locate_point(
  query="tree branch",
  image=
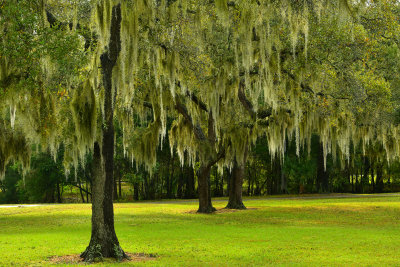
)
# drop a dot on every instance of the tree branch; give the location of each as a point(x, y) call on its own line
point(197, 130)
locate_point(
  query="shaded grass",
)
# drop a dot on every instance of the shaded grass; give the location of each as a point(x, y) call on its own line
point(299, 232)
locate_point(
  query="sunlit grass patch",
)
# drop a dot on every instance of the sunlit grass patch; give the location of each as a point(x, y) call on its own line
point(343, 231)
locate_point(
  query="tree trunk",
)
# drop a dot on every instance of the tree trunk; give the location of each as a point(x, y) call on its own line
point(372, 177)
point(170, 179)
point(104, 241)
point(120, 186)
point(235, 188)
point(284, 188)
point(322, 175)
point(87, 192)
point(365, 177)
point(203, 175)
point(190, 187)
point(248, 179)
point(58, 192)
point(80, 190)
point(179, 191)
point(216, 183)
point(115, 192)
point(136, 191)
point(236, 183)
point(379, 178)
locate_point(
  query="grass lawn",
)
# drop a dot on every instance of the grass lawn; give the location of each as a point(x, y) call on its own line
point(343, 231)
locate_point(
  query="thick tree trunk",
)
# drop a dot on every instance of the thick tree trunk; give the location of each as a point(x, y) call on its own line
point(236, 183)
point(203, 175)
point(115, 193)
point(235, 188)
point(104, 241)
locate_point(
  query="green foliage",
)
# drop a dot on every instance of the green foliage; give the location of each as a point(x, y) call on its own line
point(12, 188)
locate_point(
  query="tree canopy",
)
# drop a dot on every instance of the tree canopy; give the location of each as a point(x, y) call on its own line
point(226, 72)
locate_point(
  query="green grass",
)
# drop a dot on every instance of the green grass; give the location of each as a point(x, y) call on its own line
point(329, 232)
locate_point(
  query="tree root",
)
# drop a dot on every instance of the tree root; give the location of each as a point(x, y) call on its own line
point(236, 206)
point(208, 210)
point(95, 253)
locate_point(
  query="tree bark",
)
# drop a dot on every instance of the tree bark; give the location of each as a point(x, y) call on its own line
point(104, 242)
point(235, 188)
point(236, 183)
point(203, 175)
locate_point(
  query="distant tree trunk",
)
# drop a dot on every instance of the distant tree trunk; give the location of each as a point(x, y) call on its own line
point(284, 189)
point(228, 181)
point(379, 178)
point(372, 177)
point(190, 183)
point(248, 180)
point(170, 179)
point(87, 192)
point(352, 182)
point(136, 191)
point(145, 187)
point(120, 186)
point(58, 192)
point(180, 191)
point(356, 181)
point(104, 241)
point(365, 178)
point(322, 174)
point(221, 186)
point(253, 179)
point(236, 183)
point(216, 182)
point(80, 190)
point(276, 182)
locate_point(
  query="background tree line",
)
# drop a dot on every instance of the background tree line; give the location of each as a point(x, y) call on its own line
point(264, 175)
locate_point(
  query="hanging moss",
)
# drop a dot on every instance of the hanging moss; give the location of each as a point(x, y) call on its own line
point(84, 115)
